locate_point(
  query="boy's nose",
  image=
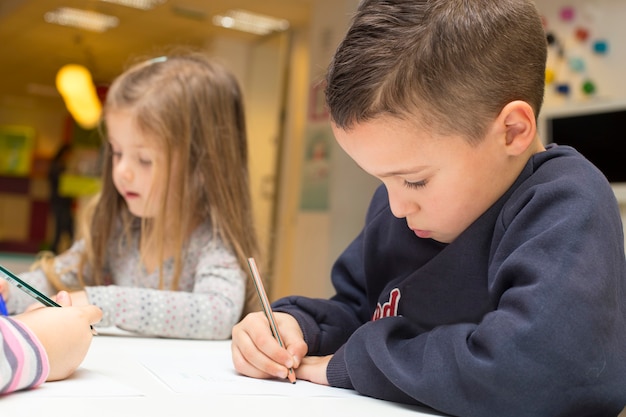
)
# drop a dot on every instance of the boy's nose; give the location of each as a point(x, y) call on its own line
point(400, 206)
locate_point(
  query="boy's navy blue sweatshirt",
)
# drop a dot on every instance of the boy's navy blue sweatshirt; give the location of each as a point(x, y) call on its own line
point(524, 314)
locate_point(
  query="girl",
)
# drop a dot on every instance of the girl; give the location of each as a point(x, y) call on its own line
point(168, 236)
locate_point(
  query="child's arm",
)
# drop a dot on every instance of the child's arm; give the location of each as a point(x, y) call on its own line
point(17, 341)
point(207, 305)
point(328, 323)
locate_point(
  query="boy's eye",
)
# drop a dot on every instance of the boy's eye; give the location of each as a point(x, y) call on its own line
point(414, 185)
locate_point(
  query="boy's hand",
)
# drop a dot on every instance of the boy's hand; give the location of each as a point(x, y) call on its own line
point(255, 351)
point(313, 368)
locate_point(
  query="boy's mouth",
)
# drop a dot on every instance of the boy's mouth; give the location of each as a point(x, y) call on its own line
point(424, 234)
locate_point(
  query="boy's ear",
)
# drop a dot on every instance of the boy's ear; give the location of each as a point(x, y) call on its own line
point(517, 119)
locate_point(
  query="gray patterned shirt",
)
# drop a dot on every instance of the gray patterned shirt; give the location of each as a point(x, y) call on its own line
point(208, 303)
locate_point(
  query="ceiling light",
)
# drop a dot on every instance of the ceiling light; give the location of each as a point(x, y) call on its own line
point(83, 19)
point(250, 22)
point(75, 84)
point(137, 4)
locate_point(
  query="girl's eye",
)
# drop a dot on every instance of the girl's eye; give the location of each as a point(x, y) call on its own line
point(145, 162)
point(415, 185)
point(116, 155)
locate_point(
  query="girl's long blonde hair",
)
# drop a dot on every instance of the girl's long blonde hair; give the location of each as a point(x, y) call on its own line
point(194, 107)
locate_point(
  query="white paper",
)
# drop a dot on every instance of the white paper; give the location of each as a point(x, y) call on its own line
point(83, 383)
point(213, 373)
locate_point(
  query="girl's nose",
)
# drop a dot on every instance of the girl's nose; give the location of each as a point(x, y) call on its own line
point(124, 171)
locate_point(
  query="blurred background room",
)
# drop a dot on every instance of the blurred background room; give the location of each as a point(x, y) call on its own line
point(309, 198)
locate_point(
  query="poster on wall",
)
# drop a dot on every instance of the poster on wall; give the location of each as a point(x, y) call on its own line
point(16, 150)
point(316, 169)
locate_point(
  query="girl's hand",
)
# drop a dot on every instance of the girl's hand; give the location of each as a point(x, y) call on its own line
point(255, 351)
point(64, 332)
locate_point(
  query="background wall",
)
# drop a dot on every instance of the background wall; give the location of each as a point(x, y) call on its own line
point(23, 202)
point(261, 68)
point(319, 216)
point(603, 20)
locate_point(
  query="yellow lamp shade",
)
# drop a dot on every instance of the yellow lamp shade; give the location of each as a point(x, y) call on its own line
point(75, 84)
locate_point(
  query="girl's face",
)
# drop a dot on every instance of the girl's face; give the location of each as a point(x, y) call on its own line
point(135, 161)
point(440, 185)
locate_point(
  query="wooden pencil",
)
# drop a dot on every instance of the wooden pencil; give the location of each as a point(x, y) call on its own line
point(267, 309)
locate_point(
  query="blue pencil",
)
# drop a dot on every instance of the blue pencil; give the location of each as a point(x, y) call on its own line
point(3, 307)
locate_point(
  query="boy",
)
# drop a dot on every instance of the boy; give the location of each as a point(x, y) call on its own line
point(506, 293)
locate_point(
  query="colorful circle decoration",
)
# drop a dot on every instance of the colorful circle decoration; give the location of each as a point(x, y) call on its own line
point(569, 63)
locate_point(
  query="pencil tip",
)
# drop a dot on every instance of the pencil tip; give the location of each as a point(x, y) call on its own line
point(291, 375)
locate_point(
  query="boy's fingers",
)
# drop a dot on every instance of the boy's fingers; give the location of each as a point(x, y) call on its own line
point(293, 338)
point(249, 359)
point(256, 352)
point(246, 368)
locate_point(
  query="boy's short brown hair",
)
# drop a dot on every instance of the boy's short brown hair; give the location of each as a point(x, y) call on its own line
point(449, 65)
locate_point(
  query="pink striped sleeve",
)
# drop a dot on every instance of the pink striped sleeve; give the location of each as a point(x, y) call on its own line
point(23, 360)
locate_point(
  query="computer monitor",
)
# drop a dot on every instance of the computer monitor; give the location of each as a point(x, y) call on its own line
point(596, 130)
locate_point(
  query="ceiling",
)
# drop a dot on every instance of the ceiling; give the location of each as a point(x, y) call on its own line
point(32, 50)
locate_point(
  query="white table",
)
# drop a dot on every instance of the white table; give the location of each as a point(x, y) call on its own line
point(149, 377)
